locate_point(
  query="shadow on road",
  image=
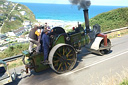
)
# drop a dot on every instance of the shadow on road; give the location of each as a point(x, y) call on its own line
point(15, 82)
point(33, 76)
point(84, 53)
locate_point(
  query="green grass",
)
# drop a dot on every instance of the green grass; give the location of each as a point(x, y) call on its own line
point(114, 35)
point(25, 33)
point(10, 26)
point(29, 16)
point(2, 1)
point(15, 64)
point(13, 50)
point(111, 20)
point(13, 25)
point(125, 82)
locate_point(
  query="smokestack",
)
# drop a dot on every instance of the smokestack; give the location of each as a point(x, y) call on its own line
point(86, 17)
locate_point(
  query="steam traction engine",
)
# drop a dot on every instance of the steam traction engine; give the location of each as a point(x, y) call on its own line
point(64, 47)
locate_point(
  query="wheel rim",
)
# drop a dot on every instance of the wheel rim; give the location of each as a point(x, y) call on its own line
point(105, 51)
point(63, 59)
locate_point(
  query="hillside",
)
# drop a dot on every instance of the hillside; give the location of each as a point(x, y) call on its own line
point(111, 20)
point(13, 15)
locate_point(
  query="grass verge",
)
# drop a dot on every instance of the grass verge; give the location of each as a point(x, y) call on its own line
point(125, 82)
point(15, 63)
point(114, 34)
point(117, 79)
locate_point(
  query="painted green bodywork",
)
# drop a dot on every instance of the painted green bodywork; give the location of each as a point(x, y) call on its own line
point(58, 40)
point(36, 59)
point(87, 39)
point(77, 40)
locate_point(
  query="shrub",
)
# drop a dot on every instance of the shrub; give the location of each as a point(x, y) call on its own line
point(14, 50)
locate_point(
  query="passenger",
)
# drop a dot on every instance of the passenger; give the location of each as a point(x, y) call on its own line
point(46, 26)
point(33, 38)
point(41, 41)
point(46, 45)
point(39, 33)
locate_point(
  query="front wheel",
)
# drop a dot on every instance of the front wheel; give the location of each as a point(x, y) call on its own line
point(108, 48)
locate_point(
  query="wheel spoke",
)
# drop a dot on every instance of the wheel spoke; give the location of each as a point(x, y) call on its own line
point(68, 53)
point(56, 64)
point(66, 66)
point(58, 54)
point(59, 66)
point(56, 61)
point(59, 50)
point(71, 55)
point(63, 51)
point(68, 63)
point(70, 59)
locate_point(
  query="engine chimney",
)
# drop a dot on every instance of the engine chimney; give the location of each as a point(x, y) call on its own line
point(86, 17)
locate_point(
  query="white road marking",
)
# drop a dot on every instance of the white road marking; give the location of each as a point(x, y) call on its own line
point(95, 63)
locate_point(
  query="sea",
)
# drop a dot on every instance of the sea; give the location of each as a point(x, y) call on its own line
point(65, 12)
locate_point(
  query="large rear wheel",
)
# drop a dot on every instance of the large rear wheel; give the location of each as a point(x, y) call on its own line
point(62, 58)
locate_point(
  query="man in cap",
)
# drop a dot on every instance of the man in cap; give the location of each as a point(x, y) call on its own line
point(33, 38)
point(46, 45)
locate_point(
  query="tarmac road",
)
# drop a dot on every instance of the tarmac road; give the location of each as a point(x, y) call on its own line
point(90, 68)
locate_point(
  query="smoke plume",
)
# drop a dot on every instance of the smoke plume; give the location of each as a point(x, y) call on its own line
point(81, 3)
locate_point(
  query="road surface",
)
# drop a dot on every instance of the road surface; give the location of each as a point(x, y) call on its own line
point(90, 68)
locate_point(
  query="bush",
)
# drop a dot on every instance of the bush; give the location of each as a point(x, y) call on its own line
point(111, 20)
point(125, 82)
point(14, 50)
point(25, 33)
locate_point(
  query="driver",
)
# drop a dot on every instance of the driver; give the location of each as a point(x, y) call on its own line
point(46, 45)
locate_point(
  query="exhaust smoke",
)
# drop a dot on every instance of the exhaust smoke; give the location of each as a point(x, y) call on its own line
point(81, 3)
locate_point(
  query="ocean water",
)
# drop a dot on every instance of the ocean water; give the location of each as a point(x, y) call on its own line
point(65, 12)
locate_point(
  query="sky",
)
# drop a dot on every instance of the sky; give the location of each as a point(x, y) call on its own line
point(93, 2)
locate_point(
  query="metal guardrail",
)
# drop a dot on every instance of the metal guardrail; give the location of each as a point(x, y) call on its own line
point(19, 56)
point(12, 58)
point(115, 30)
